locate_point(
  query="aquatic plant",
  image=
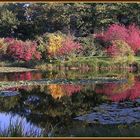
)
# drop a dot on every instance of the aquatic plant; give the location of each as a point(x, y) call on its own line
point(17, 129)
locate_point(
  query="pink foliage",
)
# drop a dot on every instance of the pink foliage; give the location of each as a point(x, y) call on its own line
point(130, 93)
point(130, 34)
point(99, 36)
point(112, 51)
point(20, 50)
point(116, 32)
point(8, 39)
point(22, 76)
point(69, 46)
point(17, 88)
point(71, 89)
point(134, 37)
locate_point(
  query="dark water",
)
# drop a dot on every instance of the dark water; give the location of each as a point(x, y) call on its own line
point(89, 109)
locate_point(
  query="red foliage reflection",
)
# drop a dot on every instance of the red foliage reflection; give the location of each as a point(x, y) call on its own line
point(71, 89)
point(120, 92)
point(58, 91)
point(22, 76)
point(17, 88)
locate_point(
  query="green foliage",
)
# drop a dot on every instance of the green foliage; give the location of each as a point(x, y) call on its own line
point(8, 23)
point(42, 47)
point(37, 20)
point(126, 54)
point(90, 46)
point(26, 21)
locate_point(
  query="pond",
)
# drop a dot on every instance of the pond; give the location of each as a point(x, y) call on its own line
point(71, 103)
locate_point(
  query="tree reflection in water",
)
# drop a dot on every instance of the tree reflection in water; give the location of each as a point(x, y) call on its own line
point(120, 92)
point(52, 104)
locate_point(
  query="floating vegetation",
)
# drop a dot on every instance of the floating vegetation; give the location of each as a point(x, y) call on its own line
point(115, 113)
point(61, 81)
point(8, 93)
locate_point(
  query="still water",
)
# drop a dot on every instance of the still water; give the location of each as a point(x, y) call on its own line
point(101, 107)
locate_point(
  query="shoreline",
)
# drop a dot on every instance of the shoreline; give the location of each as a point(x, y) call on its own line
point(15, 69)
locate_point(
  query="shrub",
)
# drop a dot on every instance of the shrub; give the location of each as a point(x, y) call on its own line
point(130, 35)
point(121, 50)
point(42, 47)
point(60, 46)
point(134, 38)
point(69, 46)
point(89, 46)
point(54, 44)
point(20, 50)
point(112, 50)
point(3, 47)
point(115, 32)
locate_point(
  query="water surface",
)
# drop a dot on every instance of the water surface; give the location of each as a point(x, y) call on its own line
point(57, 108)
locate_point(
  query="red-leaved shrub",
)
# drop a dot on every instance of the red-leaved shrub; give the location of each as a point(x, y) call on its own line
point(71, 89)
point(20, 50)
point(69, 46)
point(112, 50)
point(111, 90)
point(115, 32)
point(133, 39)
point(130, 35)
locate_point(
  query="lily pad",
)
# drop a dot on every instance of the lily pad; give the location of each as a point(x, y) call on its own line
point(8, 93)
point(114, 113)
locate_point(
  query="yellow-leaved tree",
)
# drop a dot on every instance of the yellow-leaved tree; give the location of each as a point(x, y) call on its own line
point(54, 43)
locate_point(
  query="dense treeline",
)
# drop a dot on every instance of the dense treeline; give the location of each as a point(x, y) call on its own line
point(66, 32)
point(28, 21)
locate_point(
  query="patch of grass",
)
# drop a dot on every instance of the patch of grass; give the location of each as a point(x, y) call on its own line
point(41, 66)
point(93, 61)
point(17, 129)
point(15, 69)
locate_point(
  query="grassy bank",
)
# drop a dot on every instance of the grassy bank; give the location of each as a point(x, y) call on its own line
point(94, 62)
point(14, 69)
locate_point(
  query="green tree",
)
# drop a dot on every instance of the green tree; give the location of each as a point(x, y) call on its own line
point(8, 22)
